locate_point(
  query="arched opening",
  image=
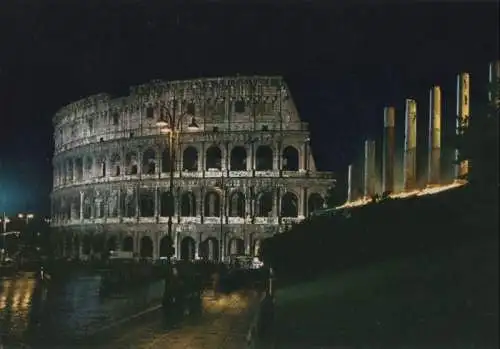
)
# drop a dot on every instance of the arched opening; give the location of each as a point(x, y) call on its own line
point(237, 205)
point(214, 158)
point(165, 160)
point(188, 246)
point(78, 169)
point(166, 204)
point(130, 205)
point(100, 207)
point(290, 159)
point(149, 161)
point(264, 204)
point(209, 249)
point(256, 244)
point(87, 167)
point(165, 244)
point(69, 170)
point(131, 163)
point(314, 203)
point(86, 245)
point(146, 204)
point(128, 244)
point(188, 205)
point(190, 159)
point(111, 243)
point(146, 247)
point(236, 247)
point(264, 158)
point(238, 159)
point(75, 208)
point(115, 165)
point(289, 205)
point(113, 206)
point(101, 166)
point(87, 208)
point(212, 204)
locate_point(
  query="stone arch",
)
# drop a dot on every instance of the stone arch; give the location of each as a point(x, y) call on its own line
point(237, 205)
point(256, 246)
point(130, 205)
point(165, 243)
point(111, 243)
point(212, 204)
point(128, 244)
point(238, 161)
point(131, 166)
point(165, 160)
point(149, 161)
point(78, 169)
point(264, 158)
point(146, 247)
point(75, 207)
point(101, 169)
point(166, 204)
point(188, 246)
point(69, 170)
point(314, 203)
point(190, 159)
point(146, 204)
point(209, 249)
point(100, 206)
point(188, 204)
point(264, 204)
point(86, 244)
point(113, 205)
point(87, 206)
point(290, 159)
point(289, 205)
point(236, 246)
point(115, 165)
point(88, 167)
point(213, 158)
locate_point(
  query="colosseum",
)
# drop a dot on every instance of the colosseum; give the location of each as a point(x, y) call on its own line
point(234, 167)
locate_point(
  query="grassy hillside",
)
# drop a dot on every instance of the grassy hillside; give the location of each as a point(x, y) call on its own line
point(444, 299)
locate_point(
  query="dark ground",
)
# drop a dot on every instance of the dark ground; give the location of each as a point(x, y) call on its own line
point(445, 299)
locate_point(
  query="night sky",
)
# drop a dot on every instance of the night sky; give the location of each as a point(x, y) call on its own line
point(342, 63)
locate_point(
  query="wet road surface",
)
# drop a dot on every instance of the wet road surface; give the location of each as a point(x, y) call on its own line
point(222, 324)
point(62, 311)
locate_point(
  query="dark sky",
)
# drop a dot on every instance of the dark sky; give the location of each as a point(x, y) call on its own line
point(343, 64)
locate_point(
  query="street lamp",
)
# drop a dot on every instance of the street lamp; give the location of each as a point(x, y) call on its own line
point(169, 123)
point(26, 216)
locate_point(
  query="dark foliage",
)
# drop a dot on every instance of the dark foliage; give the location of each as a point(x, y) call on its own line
point(379, 231)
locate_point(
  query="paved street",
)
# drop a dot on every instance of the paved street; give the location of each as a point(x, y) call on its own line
point(223, 324)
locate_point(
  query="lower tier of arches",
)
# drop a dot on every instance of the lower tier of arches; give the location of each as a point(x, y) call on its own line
point(192, 242)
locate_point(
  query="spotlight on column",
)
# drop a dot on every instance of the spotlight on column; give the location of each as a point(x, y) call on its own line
point(388, 155)
point(369, 172)
point(463, 101)
point(410, 155)
point(434, 160)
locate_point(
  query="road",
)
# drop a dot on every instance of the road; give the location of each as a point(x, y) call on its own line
point(223, 324)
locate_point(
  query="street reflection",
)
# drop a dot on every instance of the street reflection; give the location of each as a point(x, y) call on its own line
point(36, 312)
point(16, 298)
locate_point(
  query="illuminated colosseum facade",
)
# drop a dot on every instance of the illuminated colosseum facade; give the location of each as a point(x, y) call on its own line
point(244, 174)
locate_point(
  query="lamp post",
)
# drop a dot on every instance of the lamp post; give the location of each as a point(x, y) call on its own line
point(26, 217)
point(169, 123)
